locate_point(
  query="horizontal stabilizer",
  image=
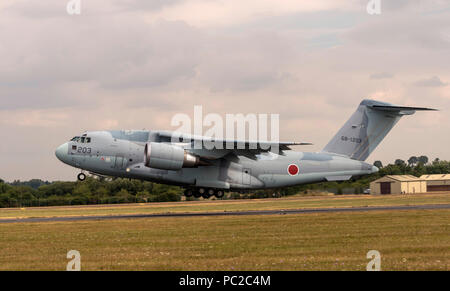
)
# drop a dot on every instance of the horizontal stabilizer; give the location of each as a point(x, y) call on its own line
point(400, 108)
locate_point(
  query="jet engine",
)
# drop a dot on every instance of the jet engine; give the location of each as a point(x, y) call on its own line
point(168, 157)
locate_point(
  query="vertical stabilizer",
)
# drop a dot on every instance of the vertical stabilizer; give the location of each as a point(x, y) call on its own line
point(366, 128)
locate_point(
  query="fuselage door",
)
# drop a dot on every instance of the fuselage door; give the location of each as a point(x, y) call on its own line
point(120, 162)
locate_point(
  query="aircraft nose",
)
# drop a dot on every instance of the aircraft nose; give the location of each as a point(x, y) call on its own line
point(374, 169)
point(61, 152)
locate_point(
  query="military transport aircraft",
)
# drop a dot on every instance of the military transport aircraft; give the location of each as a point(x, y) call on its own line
point(153, 156)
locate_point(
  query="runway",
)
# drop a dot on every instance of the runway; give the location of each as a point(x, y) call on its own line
point(229, 213)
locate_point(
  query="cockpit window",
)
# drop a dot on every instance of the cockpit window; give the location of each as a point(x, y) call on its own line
point(82, 139)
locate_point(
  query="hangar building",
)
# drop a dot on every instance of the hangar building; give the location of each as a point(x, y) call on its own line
point(437, 182)
point(398, 184)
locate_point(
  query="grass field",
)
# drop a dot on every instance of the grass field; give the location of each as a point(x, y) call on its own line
point(407, 240)
point(295, 202)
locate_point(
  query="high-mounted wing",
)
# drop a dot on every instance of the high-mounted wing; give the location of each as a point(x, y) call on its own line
point(206, 146)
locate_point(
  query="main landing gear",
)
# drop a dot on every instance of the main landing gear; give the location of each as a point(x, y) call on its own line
point(206, 193)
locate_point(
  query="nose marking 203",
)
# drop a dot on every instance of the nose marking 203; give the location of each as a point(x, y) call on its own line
point(84, 150)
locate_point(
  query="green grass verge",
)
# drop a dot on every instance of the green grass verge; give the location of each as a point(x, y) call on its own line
point(228, 205)
point(407, 240)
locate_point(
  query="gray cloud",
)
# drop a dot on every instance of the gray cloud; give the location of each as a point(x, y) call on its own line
point(116, 54)
point(38, 10)
point(382, 75)
point(434, 81)
point(400, 29)
point(145, 4)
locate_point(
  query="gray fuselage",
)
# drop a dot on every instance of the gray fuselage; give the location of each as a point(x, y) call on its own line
point(121, 154)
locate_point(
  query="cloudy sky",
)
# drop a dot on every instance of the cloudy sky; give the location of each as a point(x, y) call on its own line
point(133, 64)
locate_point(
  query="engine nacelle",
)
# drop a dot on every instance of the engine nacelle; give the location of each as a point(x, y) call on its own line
point(168, 157)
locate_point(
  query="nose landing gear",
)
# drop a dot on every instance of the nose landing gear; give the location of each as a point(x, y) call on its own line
point(81, 176)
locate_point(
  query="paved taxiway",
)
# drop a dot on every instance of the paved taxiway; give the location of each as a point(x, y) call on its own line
point(228, 213)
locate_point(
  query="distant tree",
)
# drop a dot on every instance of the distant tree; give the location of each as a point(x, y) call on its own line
point(4, 200)
point(378, 164)
point(399, 162)
point(57, 188)
point(423, 160)
point(419, 170)
point(123, 196)
point(412, 161)
point(4, 187)
point(33, 183)
point(143, 196)
point(101, 192)
point(436, 161)
point(82, 189)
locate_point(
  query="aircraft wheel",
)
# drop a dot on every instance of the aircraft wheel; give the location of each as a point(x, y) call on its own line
point(81, 177)
point(197, 194)
point(206, 195)
point(219, 193)
point(201, 191)
point(188, 192)
point(210, 192)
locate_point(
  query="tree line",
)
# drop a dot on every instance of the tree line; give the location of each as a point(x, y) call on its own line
point(91, 191)
point(36, 192)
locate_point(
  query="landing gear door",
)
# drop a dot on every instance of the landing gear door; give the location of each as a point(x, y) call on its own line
point(246, 176)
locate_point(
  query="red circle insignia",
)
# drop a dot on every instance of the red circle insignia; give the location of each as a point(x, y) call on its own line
point(292, 169)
